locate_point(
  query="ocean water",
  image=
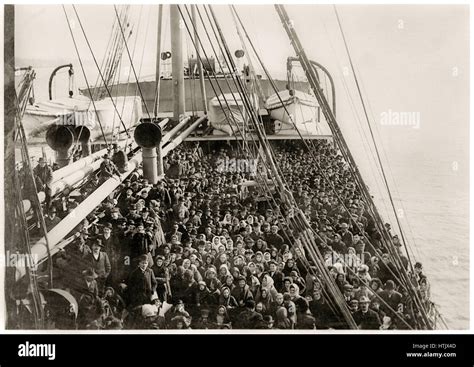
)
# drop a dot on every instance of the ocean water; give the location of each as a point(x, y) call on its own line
point(437, 207)
point(429, 177)
point(430, 187)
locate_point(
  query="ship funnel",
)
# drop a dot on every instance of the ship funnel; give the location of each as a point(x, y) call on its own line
point(148, 136)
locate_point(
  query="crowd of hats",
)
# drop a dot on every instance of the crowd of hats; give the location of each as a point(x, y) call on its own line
point(228, 257)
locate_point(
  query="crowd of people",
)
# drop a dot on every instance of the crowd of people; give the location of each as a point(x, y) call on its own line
point(201, 249)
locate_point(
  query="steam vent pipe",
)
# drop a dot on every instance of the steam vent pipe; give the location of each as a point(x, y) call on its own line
point(147, 135)
point(60, 138)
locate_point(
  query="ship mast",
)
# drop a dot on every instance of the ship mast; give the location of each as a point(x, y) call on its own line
point(159, 155)
point(198, 60)
point(177, 64)
point(158, 60)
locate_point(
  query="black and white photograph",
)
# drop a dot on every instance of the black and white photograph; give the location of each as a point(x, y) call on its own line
point(227, 168)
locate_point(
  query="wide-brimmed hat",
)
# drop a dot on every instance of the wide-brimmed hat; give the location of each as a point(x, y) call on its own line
point(97, 241)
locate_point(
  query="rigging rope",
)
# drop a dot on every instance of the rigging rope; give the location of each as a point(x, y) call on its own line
point(286, 194)
point(131, 63)
point(97, 65)
point(344, 149)
point(420, 304)
point(84, 73)
point(372, 134)
point(264, 178)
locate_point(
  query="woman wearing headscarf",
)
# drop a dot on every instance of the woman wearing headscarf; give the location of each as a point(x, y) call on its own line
point(221, 318)
point(251, 278)
point(223, 272)
point(266, 284)
point(260, 245)
point(188, 266)
point(229, 282)
point(375, 287)
point(299, 281)
point(208, 261)
point(294, 292)
point(212, 282)
point(227, 299)
point(259, 258)
point(352, 261)
point(264, 297)
point(222, 259)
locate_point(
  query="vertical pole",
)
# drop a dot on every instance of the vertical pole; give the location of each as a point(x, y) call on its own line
point(158, 59)
point(177, 62)
point(8, 222)
point(198, 60)
point(159, 157)
point(150, 170)
point(62, 157)
point(86, 148)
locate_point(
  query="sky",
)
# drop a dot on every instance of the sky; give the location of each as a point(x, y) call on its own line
point(409, 59)
point(405, 54)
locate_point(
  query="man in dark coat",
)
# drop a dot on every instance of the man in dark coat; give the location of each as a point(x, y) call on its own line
point(274, 239)
point(99, 261)
point(141, 284)
point(125, 201)
point(387, 269)
point(346, 235)
point(108, 169)
point(141, 242)
point(276, 275)
point(391, 298)
point(108, 238)
point(87, 296)
point(242, 292)
point(51, 220)
point(365, 318)
point(305, 319)
point(44, 178)
point(77, 252)
point(112, 247)
point(321, 310)
point(248, 318)
point(162, 278)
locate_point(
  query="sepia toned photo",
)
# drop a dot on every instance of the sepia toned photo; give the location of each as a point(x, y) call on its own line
point(236, 167)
